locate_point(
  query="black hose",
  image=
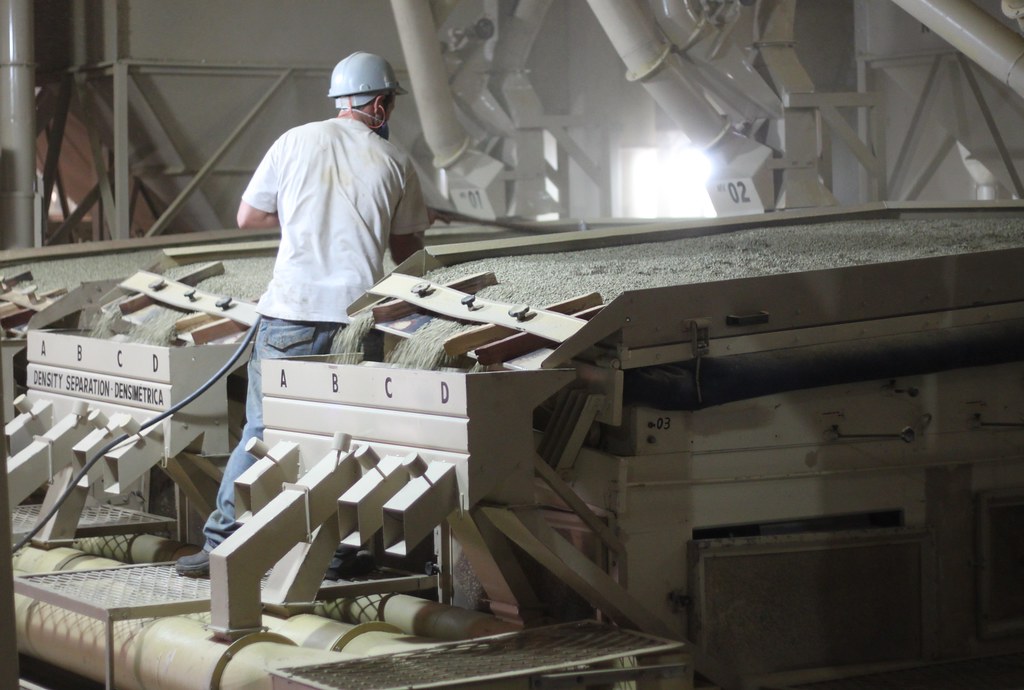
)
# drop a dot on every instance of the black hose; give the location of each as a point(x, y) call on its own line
point(742, 377)
point(228, 366)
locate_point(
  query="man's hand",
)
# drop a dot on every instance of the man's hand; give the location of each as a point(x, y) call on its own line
point(404, 246)
point(437, 214)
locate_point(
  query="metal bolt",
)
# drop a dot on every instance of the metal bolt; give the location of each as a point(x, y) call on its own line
point(423, 289)
point(521, 313)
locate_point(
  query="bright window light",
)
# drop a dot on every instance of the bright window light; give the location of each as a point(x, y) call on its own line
point(684, 176)
point(640, 182)
point(665, 183)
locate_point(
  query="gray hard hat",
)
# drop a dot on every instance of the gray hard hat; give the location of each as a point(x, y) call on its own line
point(363, 76)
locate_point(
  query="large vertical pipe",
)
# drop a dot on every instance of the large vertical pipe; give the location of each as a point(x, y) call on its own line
point(428, 78)
point(17, 125)
point(975, 33)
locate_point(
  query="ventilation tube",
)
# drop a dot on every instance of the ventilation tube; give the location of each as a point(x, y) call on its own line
point(1014, 9)
point(975, 33)
point(650, 60)
point(429, 81)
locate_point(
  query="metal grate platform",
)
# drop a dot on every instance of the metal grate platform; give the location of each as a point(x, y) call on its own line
point(144, 590)
point(96, 521)
point(131, 591)
point(533, 656)
point(991, 673)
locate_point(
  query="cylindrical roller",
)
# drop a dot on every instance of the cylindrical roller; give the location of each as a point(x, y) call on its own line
point(257, 448)
point(367, 457)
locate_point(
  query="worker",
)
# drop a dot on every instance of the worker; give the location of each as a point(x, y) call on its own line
point(341, 193)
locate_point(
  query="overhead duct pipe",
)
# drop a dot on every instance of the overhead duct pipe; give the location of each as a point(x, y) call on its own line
point(1014, 9)
point(474, 179)
point(17, 125)
point(428, 79)
point(651, 61)
point(975, 33)
point(703, 33)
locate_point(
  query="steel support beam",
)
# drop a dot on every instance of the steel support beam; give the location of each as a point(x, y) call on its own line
point(527, 528)
point(172, 210)
point(910, 141)
point(990, 123)
point(55, 137)
point(121, 217)
point(967, 27)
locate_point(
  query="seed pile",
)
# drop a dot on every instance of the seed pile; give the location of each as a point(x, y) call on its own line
point(541, 279)
point(245, 279)
point(71, 272)
point(546, 278)
point(155, 327)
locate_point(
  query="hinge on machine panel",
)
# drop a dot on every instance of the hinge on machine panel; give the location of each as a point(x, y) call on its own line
point(700, 336)
point(700, 345)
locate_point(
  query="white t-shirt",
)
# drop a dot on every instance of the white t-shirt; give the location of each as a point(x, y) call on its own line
point(339, 190)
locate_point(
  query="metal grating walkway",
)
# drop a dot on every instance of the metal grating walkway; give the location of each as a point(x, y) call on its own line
point(96, 521)
point(991, 673)
point(534, 656)
point(131, 591)
point(144, 590)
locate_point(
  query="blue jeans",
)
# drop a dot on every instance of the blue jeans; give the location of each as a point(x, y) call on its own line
point(276, 338)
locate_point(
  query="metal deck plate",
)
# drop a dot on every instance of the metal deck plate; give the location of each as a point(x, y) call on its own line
point(140, 591)
point(991, 673)
point(131, 591)
point(96, 521)
point(513, 655)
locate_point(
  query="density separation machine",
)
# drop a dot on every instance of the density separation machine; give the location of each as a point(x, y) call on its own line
point(746, 448)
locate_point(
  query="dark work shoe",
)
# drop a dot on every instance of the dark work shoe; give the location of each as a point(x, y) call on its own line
point(196, 565)
point(349, 563)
